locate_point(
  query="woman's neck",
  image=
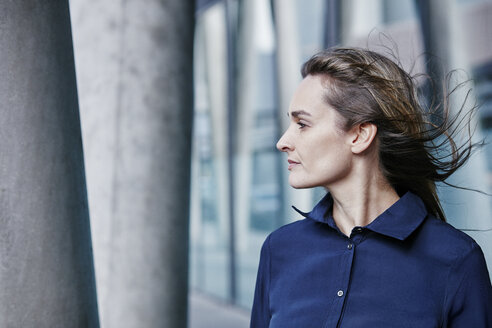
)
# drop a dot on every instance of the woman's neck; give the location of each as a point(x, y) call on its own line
point(359, 202)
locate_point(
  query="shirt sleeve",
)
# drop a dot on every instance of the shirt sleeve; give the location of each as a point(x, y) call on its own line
point(468, 300)
point(260, 314)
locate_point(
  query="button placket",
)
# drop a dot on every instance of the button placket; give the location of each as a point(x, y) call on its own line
point(340, 295)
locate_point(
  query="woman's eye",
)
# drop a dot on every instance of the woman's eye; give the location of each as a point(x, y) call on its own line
point(301, 125)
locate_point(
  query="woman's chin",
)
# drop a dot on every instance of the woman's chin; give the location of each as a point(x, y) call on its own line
point(300, 184)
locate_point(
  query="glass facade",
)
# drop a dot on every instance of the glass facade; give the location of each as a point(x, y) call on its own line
point(239, 180)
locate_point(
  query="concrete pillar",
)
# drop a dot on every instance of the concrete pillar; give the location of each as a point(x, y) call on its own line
point(97, 35)
point(289, 64)
point(288, 55)
point(332, 23)
point(149, 260)
point(197, 223)
point(143, 102)
point(46, 271)
point(358, 18)
point(215, 46)
point(214, 238)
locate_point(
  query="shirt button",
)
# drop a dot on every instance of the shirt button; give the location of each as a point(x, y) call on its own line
point(340, 293)
point(349, 246)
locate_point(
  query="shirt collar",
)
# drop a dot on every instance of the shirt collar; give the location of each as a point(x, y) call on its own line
point(398, 221)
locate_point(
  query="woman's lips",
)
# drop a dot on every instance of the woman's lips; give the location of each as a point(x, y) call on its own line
point(292, 164)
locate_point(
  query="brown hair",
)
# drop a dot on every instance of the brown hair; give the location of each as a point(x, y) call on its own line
point(416, 150)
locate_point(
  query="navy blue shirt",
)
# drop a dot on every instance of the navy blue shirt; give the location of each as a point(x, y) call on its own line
point(404, 269)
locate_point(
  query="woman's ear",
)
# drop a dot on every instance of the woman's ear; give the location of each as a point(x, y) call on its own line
point(362, 137)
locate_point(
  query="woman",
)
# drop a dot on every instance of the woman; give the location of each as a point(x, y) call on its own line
point(375, 251)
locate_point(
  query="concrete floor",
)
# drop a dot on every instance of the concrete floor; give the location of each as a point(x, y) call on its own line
point(207, 312)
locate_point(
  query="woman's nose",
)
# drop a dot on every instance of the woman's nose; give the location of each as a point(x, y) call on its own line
point(283, 143)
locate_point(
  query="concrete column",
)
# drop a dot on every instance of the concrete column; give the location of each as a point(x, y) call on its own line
point(288, 55)
point(332, 23)
point(215, 46)
point(289, 63)
point(215, 237)
point(358, 18)
point(197, 223)
point(149, 254)
point(138, 109)
point(245, 115)
point(46, 271)
point(97, 35)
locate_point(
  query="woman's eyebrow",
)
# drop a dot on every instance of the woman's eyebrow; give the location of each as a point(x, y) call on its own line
point(298, 113)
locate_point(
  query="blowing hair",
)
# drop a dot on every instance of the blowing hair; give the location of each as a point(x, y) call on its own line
point(417, 147)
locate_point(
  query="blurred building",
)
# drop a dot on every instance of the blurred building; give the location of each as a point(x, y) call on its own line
point(247, 60)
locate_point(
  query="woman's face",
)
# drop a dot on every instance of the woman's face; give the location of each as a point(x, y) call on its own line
point(319, 152)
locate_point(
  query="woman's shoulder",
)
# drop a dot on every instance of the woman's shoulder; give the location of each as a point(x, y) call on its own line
point(290, 233)
point(447, 231)
point(289, 229)
point(442, 238)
